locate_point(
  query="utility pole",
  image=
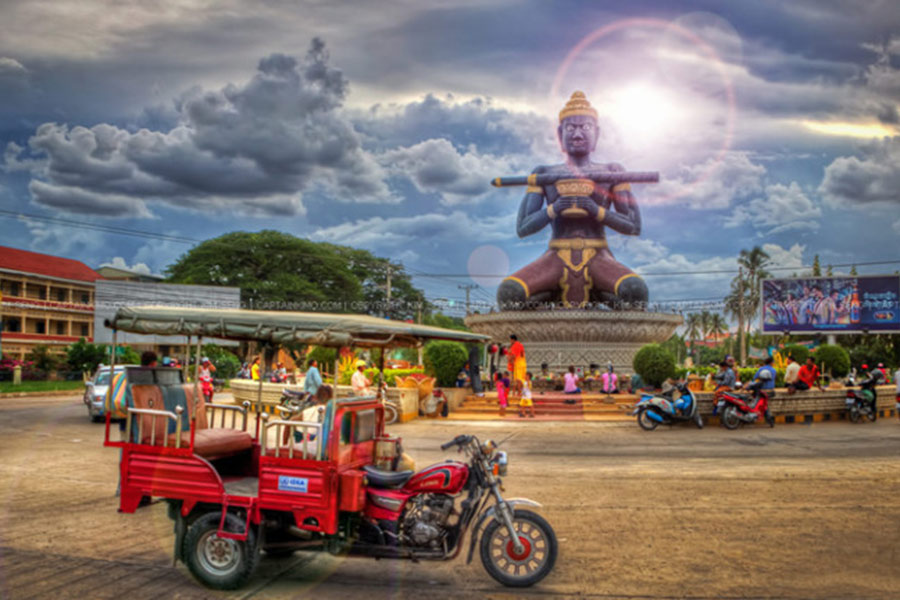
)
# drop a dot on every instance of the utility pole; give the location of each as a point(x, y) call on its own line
point(419, 310)
point(388, 308)
point(468, 287)
point(741, 315)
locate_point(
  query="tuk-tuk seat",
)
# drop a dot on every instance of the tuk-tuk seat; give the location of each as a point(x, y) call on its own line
point(210, 443)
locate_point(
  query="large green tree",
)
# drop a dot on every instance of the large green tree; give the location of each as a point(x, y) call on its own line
point(279, 271)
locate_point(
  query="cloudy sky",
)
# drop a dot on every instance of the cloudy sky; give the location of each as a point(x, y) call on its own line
point(772, 124)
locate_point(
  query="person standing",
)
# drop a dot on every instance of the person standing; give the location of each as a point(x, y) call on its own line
point(516, 356)
point(502, 384)
point(526, 403)
point(254, 369)
point(897, 381)
point(475, 369)
point(313, 380)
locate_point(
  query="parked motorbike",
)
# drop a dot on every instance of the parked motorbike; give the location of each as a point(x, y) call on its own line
point(295, 400)
point(737, 409)
point(862, 402)
point(652, 410)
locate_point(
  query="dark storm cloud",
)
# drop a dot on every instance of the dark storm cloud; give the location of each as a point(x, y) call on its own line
point(477, 121)
point(252, 147)
point(872, 177)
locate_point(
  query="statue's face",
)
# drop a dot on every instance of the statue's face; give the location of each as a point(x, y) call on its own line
point(578, 135)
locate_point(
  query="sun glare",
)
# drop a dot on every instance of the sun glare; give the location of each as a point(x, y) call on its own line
point(642, 112)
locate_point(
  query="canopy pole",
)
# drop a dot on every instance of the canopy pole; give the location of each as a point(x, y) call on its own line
point(184, 367)
point(196, 391)
point(380, 394)
point(259, 389)
point(109, 388)
point(337, 363)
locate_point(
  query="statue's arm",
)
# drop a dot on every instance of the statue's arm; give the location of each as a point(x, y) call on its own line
point(627, 216)
point(532, 215)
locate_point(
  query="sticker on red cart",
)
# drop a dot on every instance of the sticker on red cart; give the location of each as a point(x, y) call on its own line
point(293, 484)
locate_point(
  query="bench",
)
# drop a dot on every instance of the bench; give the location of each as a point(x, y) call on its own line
point(158, 409)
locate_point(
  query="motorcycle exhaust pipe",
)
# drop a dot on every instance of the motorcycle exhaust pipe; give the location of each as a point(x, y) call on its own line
point(655, 416)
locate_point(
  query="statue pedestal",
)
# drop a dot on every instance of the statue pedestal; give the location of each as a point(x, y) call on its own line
point(577, 337)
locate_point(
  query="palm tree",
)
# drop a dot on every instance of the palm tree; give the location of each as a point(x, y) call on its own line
point(718, 325)
point(744, 298)
point(706, 323)
point(692, 328)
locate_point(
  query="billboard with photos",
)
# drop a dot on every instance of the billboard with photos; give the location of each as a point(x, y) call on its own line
point(844, 304)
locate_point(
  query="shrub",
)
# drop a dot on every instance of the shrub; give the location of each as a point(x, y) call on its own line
point(226, 363)
point(654, 364)
point(43, 359)
point(126, 355)
point(325, 356)
point(833, 358)
point(84, 356)
point(444, 360)
point(390, 375)
point(799, 353)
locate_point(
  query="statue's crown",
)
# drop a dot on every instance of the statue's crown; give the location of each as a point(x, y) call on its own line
point(577, 105)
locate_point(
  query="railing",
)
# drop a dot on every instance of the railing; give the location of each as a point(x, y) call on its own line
point(280, 425)
point(154, 415)
point(222, 410)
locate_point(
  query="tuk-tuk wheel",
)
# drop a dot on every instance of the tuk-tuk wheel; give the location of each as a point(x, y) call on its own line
point(219, 563)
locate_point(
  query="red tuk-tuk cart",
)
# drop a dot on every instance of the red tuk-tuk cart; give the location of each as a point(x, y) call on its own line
point(234, 493)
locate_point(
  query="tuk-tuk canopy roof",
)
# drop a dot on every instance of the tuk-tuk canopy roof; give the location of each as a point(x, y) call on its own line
point(321, 329)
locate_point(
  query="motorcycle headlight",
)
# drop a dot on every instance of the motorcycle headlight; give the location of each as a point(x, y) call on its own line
point(488, 447)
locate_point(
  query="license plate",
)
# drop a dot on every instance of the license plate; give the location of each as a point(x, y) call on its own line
point(850, 400)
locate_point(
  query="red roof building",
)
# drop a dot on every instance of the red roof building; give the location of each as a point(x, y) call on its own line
point(35, 263)
point(44, 300)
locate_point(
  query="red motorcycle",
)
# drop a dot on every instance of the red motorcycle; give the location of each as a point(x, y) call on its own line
point(736, 408)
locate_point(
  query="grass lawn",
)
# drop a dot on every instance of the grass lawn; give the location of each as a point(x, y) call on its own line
point(40, 386)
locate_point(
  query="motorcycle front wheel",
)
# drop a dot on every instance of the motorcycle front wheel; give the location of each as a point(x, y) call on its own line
point(646, 422)
point(525, 568)
point(730, 418)
point(872, 414)
point(391, 414)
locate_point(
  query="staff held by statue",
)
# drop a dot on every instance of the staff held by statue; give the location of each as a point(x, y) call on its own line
point(605, 177)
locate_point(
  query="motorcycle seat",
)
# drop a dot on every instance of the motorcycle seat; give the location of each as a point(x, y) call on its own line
point(386, 479)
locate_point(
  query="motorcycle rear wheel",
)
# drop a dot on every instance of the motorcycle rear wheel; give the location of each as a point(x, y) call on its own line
point(644, 420)
point(219, 563)
point(536, 561)
point(854, 414)
point(730, 419)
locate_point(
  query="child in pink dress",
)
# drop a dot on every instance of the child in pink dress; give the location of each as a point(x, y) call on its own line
point(503, 392)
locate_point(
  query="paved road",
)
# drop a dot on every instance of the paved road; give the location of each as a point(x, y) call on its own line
point(797, 511)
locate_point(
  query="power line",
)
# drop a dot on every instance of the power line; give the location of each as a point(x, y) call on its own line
point(100, 227)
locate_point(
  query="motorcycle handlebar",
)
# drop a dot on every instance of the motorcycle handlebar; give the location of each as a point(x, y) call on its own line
point(457, 441)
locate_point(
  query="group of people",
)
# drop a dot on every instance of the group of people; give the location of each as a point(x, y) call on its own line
point(254, 371)
point(515, 384)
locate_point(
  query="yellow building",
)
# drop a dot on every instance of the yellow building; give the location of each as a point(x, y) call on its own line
point(44, 300)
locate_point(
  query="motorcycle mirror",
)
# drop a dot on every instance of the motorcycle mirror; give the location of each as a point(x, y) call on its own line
point(507, 438)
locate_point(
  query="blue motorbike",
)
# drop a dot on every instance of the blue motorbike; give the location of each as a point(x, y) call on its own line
point(655, 409)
